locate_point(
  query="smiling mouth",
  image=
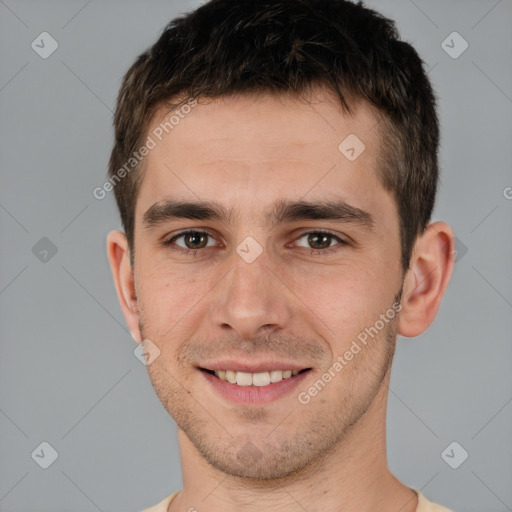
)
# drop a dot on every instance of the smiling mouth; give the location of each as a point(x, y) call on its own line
point(259, 379)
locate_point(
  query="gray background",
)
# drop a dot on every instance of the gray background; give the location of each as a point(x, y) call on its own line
point(68, 375)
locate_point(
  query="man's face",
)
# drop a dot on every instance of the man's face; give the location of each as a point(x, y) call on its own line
point(272, 287)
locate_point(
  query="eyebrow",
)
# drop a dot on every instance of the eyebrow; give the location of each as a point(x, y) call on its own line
point(281, 212)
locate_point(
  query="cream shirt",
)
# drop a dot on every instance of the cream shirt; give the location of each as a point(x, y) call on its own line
point(424, 505)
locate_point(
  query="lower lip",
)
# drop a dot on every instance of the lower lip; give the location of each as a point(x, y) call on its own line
point(255, 395)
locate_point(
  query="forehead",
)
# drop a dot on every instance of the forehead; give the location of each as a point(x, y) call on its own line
point(264, 118)
point(254, 149)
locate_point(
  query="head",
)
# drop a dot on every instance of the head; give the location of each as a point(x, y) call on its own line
point(298, 140)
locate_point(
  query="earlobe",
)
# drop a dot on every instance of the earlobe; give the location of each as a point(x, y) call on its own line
point(119, 257)
point(426, 280)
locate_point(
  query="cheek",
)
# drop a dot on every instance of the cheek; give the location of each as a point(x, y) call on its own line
point(343, 304)
point(340, 293)
point(168, 300)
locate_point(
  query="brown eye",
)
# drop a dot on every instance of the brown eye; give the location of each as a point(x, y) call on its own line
point(191, 240)
point(320, 241)
point(195, 240)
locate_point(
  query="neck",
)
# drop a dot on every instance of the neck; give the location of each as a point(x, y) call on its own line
point(354, 477)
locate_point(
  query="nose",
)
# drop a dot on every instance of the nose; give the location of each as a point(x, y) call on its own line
point(251, 299)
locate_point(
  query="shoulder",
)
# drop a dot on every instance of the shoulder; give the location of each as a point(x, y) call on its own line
point(163, 505)
point(424, 505)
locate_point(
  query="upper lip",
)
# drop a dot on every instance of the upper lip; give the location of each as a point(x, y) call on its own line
point(252, 367)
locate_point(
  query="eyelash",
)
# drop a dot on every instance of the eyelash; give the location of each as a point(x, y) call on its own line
point(194, 252)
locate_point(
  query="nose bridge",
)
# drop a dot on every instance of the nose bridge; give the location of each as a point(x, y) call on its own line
point(251, 296)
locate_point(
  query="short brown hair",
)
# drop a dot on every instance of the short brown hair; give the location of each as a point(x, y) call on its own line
point(247, 46)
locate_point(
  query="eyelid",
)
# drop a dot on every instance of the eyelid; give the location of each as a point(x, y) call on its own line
point(298, 235)
point(336, 236)
point(168, 240)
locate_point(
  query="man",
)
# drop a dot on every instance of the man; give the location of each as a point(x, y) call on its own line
point(275, 167)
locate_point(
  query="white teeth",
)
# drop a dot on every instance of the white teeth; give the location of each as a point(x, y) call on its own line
point(260, 379)
point(243, 379)
point(276, 375)
point(254, 379)
point(230, 376)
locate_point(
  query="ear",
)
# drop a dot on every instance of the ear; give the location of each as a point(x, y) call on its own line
point(426, 279)
point(118, 254)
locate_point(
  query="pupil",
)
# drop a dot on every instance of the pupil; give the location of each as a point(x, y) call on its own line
point(192, 239)
point(324, 244)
